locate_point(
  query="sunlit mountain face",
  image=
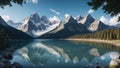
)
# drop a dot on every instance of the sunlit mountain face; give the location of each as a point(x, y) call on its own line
point(51, 53)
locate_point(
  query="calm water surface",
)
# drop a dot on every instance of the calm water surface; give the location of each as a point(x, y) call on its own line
point(63, 54)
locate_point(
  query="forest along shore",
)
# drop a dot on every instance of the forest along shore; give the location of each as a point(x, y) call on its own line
point(113, 42)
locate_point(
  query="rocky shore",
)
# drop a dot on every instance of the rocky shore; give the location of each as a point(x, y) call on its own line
point(5, 59)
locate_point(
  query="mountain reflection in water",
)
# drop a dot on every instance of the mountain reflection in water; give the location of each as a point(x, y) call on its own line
point(65, 54)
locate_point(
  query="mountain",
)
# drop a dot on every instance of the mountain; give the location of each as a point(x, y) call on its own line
point(97, 26)
point(14, 24)
point(78, 18)
point(91, 24)
point(11, 32)
point(87, 20)
point(66, 29)
point(36, 26)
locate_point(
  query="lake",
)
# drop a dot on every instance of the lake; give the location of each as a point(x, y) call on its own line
point(63, 54)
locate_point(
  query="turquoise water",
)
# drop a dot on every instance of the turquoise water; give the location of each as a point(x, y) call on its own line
point(63, 54)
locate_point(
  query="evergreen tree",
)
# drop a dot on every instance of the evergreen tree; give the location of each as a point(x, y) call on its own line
point(111, 7)
point(4, 3)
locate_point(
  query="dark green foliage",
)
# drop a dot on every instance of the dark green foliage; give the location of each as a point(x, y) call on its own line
point(9, 2)
point(3, 39)
point(110, 34)
point(111, 7)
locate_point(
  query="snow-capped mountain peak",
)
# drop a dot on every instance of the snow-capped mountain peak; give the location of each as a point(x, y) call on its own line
point(54, 19)
point(67, 15)
point(78, 18)
point(69, 19)
point(36, 26)
point(34, 15)
point(87, 20)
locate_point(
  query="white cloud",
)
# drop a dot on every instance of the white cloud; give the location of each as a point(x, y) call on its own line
point(35, 1)
point(90, 11)
point(54, 11)
point(112, 21)
point(67, 15)
point(5, 17)
point(54, 18)
point(104, 20)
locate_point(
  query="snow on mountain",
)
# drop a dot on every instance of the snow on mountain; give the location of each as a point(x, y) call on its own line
point(52, 27)
point(13, 24)
point(54, 19)
point(36, 26)
point(67, 15)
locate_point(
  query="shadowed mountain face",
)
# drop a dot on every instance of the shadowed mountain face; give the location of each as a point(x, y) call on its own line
point(13, 33)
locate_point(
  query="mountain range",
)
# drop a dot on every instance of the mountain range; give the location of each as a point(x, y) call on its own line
point(42, 27)
point(80, 25)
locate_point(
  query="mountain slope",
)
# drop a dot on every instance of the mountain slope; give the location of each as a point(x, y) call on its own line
point(97, 26)
point(12, 32)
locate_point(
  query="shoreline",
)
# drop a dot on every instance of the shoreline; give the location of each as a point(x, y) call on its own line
point(113, 42)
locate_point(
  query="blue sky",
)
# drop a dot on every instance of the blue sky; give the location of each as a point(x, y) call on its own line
point(51, 8)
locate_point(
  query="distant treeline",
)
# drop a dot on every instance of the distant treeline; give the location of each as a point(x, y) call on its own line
point(110, 34)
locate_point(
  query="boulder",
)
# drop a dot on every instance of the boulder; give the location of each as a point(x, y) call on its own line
point(115, 63)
